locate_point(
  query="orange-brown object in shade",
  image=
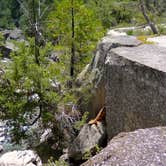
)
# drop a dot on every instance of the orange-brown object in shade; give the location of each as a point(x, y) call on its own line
point(100, 116)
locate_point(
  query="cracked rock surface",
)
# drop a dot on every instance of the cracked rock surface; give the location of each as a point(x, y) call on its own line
point(143, 147)
point(130, 80)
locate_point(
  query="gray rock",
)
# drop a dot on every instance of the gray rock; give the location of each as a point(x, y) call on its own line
point(55, 56)
point(135, 88)
point(143, 147)
point(159, 40)
point(81, 78)
point(116, 33)
point(20, 158)
point(46, 135)
point(55, 85)
point(64, 157)
point(98, 71)
point(86, 141)
point(15, 34)
point(149, 55)
point(130, 80)
point(9, 46)
point(109, 43)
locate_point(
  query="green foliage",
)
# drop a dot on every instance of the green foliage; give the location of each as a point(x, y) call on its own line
point(112, 12)
point(1, 40)
point(162, 29)
point(85, 95)
point(79, 124)
point(89, 153)
point(129, 32)
point(23, 80)
point(69, 96)
point(140, 32)
point(87, 29)
point(5, 14)
point(10, 147)
point(51, 162)
point(34, 12)
point(109, 12)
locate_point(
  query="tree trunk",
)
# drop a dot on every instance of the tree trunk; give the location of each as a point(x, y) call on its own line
point(34, 28)
point(150, 22)
point(72, 42)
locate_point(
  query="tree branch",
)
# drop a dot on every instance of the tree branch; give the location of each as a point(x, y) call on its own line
point(150, 22)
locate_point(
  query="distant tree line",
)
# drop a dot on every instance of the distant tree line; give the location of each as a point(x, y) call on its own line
point(110, 12)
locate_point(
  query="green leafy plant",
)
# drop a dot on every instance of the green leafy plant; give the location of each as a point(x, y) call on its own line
point(162, 29)
point(89, 153)
point(27, 94)
point(52, 162)
point(79, 124)
point(144, 39)
point(77, 31)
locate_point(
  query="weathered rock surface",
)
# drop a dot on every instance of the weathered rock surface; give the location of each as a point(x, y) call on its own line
point(135, 88)
point(160, 40)
point(143, 147)
point(130, 80)
point(9, 46)
point(86, 141)
point(20, 158)
point(98, 70)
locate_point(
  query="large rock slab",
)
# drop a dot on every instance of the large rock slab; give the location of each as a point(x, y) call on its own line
point(89, 137)
point(98, 70)
point(143, 147)
point(135, 88)
point(149, 55)
point(129, 78)
point(20, 158)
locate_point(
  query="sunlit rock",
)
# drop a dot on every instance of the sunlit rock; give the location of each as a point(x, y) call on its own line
point(20, 158)
point(143, 147)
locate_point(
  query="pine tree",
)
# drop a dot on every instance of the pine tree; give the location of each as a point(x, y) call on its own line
point(76, 28)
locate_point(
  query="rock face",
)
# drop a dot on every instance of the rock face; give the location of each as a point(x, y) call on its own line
point(98, 70)
point(20, 158)
point(9, 46)
point(143, 147)
point(130, 77)
point(15, 34)
point(86, 141)
point(135, 88)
